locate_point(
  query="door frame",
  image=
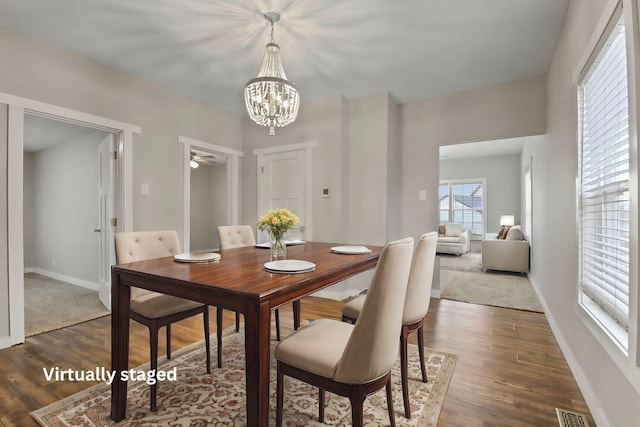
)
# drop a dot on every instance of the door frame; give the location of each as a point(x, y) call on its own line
point(18, 106)
point(308, 166)
point(233, 182)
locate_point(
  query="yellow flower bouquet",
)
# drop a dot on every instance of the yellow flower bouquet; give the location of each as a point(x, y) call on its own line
point(277, 222)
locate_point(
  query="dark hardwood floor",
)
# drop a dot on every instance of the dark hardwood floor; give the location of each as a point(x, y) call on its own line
point(510, 371)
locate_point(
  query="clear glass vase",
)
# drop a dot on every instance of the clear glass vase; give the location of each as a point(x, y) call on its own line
point(278, 247)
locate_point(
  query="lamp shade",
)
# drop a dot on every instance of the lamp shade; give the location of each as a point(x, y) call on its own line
point(507, 220)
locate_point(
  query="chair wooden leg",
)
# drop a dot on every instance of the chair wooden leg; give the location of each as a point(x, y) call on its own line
point(237, 322)
point(404, 356)
point(296, 314)
point(277, 314)
point(392, 418)
point(207, 340)
point(279, 397)
point(321, 405)
point(219, 334)
point(423, 367)
point(357, 408)
point(153, 346)
point(168, 330)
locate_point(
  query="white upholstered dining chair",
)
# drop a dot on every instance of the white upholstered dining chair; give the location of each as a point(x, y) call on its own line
point(416, 306)
point(153, 309)
point(352, 360)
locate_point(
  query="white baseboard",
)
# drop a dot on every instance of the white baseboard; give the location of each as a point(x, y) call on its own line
point(581, 378)
point(62, 277)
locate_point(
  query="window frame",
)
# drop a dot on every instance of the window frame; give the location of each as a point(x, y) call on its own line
point(450, 183)
point(600, 328)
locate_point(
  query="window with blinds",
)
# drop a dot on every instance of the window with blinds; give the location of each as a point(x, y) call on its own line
point(463, 202)
point(604, 185)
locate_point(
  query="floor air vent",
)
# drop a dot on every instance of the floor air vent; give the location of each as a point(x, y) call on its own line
point(571, 419)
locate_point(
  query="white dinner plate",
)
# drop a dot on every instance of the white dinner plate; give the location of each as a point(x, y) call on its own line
point(289, 266)
point(267, 245)
point(197, 257)
point(350, 250)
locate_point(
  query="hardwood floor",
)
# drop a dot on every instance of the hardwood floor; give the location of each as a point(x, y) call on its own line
point(510, 371)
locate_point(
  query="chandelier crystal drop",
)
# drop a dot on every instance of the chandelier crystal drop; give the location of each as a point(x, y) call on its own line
point(271, 99)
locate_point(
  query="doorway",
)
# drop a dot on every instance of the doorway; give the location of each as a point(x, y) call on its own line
point(17, 107)
point(211, 192)
point(209, 198)
point(66, 257)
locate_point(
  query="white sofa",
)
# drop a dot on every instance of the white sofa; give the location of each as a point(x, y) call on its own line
point(453, 239)
point(509, 254)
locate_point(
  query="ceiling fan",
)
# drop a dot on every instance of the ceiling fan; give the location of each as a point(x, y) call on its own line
point(205, 158)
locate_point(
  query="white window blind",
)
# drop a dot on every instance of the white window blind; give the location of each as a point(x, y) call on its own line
point(463, 203)
point(604, 182)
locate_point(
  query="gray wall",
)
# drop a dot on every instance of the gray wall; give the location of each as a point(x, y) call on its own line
point(609, 380)
point(62, 190)
point(508, 110)
point(43, 73)
point(502, 175)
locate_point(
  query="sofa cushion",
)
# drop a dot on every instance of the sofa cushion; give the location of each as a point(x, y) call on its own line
point(441, 230)
point(515, 233)
point(453, 230)
point(448, 239)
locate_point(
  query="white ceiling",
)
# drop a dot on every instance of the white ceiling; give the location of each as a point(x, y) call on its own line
point(208, 49)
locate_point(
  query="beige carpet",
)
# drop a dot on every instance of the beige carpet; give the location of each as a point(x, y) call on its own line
point(51, 304)
point(491, 288)
point(198, 399)
point(471, 262)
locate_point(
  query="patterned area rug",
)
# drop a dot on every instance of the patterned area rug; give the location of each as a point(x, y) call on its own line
point(198, 399)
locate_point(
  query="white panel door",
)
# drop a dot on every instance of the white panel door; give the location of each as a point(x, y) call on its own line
point(283, 178)
point(106, 212)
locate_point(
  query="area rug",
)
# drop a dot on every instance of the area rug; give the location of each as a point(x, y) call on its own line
point(471, 262)
point(198, 399)
point(51, 304)
point(496, 289)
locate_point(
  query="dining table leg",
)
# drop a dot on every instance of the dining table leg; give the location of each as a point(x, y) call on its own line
point(120, 295)
point(257, 350)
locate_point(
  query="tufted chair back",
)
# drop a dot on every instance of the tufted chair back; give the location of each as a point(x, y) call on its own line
point(132, 246)
point(235, 236)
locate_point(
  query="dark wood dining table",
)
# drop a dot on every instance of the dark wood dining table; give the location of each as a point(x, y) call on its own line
point(237, 282)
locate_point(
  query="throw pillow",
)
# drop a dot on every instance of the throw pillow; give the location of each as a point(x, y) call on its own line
point(502, 234)
point(442, 230)
point(515, 233)
point(453, 230)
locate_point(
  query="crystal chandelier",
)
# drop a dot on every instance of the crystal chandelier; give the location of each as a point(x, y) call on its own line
point(271, 99)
